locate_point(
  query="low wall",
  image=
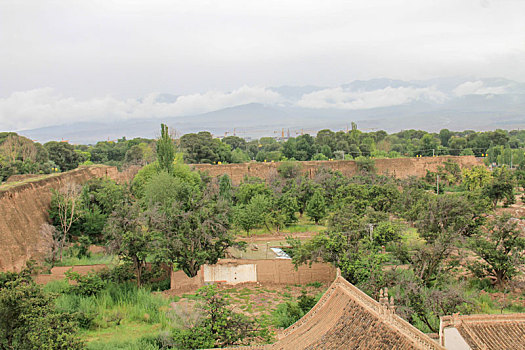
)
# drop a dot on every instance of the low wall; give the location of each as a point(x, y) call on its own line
point(23, 210)
point(59, 272)
point(274, 271)
point(398, 167)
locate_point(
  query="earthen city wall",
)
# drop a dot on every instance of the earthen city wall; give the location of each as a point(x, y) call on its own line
point(398, 167)
point(23, 210)
point(23, 206)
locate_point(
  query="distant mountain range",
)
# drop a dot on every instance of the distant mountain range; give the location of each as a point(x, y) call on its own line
point(378, 104)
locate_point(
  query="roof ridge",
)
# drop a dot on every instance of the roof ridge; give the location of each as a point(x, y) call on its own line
point(486, 317)
point(388, 316)
point(384, 314)
point(311, 313)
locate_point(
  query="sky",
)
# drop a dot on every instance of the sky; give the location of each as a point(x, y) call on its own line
point(69, 60)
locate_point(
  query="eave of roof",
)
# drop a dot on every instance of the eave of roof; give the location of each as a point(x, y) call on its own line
point(500, 331)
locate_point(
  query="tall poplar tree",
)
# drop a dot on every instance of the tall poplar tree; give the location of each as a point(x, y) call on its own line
point(165, 150)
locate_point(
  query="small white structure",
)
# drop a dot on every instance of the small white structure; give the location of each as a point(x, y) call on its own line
point(230, 273)
point(281, 254)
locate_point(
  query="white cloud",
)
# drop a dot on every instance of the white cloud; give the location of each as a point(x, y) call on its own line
point(478, 88)
point(341, 99)
point(129, 48)
point(45, 106)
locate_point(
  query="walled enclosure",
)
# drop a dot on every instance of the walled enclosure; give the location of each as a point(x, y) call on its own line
point(398, 167)
point(23, 207)
point(274, 271)
point(23, 210)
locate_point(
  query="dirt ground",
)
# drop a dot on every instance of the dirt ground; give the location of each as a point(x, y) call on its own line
point(252, 299)
point(259, 247)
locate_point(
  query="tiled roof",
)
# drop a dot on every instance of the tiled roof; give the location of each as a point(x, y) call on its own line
point(347, 318)
point(504, 331)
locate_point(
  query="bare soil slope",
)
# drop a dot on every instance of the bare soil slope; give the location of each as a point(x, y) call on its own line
point(23, 210)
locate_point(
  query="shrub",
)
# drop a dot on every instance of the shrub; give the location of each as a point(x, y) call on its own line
point(86, 285)
point(118, 274)
point(365, 164)
point(289, 170)
point(288, 313)
point(29, 318)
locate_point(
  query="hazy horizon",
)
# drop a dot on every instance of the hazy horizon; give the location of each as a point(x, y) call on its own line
point(64, 62)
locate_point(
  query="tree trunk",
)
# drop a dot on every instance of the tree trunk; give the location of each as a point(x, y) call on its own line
point(138, 269)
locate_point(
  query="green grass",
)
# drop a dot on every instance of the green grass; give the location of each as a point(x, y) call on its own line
point(9, 185)
point(94, 259)
point(485, 305)
point(304, 224)
point(37, 177)
point(119, 314)
point(125, 336)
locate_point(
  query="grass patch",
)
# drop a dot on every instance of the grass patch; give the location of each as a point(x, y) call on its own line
point(116, 316)
point(126, 336)
point(303, 225)
point(94, 259)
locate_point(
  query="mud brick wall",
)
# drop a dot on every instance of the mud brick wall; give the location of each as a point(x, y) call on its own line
point(271, 271)
point(398, 167)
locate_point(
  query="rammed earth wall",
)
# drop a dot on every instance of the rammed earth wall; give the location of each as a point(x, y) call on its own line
point(23, 210)
point(398, 167)
point(270, 271)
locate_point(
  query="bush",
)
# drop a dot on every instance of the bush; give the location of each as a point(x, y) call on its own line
point(289, 170)
point(29, 318)
point(365, 164)
point(288, 313)
point(118, 274)
point(86, 285)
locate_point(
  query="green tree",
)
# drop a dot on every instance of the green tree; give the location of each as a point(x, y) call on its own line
point(28, 319)
point(199, 148)
point(501, 187)
point(476, 178)
point(289, 170)
point(64, 212)
point(219, 326)
point(134, 155)
point(316, 207)
point(165, 150)
point(287, 205)
point(360, 263)
point(225, 188)
point(195, 235)
point(239, 156)
point(164, 189)
point(254, 214)
point(444, 136)
point(62, 154)
point(501, 248)
point(129, 236)
point(249, 189)
point(457, 144)
point(290, 312)
point(235, 142)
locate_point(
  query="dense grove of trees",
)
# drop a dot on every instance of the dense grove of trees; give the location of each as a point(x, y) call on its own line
point(408, 235)
point(19, 155)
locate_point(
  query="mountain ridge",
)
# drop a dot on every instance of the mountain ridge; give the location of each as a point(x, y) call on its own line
point(388, 104)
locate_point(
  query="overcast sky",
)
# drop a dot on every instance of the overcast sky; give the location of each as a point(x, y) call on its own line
point(67, 59)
